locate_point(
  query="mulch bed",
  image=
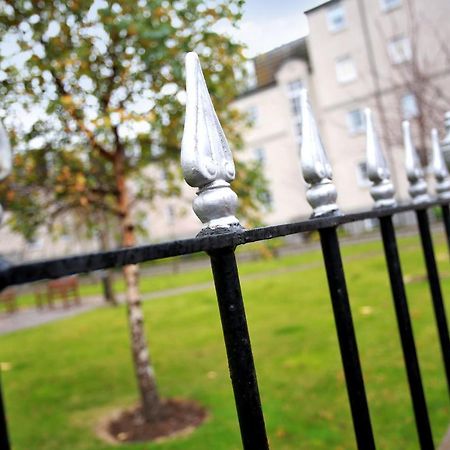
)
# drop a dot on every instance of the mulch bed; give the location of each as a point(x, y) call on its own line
point(178, 417)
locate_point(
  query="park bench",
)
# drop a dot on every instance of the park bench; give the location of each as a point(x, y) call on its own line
point(63, 288)
point(8, 299)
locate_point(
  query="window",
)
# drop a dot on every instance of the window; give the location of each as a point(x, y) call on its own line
point(345, 69)
point(409, 106)
point(294, 90)
point(252, 112)
point(399, 49)
point(336, 18)
point(170, 214)
point(260, 155)
point(387, 5)
point(355, 121)
point(361, 175)
point(266, 199)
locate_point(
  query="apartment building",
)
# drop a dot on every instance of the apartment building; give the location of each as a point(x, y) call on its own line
point(390, 55)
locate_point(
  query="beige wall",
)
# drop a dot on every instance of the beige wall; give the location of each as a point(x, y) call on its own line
point(274, 131)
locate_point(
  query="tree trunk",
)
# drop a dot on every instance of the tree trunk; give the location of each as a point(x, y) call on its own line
point(107, 275)
point(107, 284)
point(142, 364)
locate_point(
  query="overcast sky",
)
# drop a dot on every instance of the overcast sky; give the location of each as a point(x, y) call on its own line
point(269, 23)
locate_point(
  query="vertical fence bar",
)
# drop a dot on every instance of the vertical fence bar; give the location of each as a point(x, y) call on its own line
point(435, 288)
point(446, 219)
point(208, 164)
point(406, 333)
point(383, 193)
point(419, 195)
point(239, 352)
point(5, 169)
point(321, 195)
point(347, 339)
point(4, 438)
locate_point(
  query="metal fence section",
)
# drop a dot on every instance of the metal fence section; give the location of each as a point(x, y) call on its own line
point(208, 165)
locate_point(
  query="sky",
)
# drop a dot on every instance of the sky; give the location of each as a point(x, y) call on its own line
point(267, 24)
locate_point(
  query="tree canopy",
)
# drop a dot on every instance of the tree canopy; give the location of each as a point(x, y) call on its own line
point(82, 81)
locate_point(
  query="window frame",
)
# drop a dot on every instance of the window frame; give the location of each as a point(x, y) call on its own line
point(347, 79)
point(331, 25)
point(351, 124)
point(395, 56)
point(386, 6)
point(416, 112)
point(362, 177)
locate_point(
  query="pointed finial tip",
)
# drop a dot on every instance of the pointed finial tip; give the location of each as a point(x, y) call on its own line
point(440, 169)
point(191, 57)
point(206, 158)
point(414, 171)
point(192, 62)
point(304, 97)
point(321, 193)
point(5, 153)
point(382, 189)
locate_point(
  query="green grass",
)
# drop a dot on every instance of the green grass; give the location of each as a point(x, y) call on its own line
point(65, 376)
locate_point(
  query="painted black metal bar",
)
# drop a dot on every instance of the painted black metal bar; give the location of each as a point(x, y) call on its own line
point(4, 437)
point(446, 219)
point(347, 339)
point(406, 333)
point(435, 288)
point(239, 352)
point(59, 267)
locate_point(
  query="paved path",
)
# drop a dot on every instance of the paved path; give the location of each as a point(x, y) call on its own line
point(31, 317)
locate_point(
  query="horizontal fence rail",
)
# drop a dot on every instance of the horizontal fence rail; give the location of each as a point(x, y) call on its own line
point(90, 262)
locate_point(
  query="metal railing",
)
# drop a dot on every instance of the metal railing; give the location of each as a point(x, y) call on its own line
point(208, 165)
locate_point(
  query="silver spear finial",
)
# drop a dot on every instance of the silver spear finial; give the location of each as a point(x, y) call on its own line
point(382, 190)
point(445, 144)
point(321, 193)
point(5, 160)
point(5, 154)
point(416, 177)
point(440, 168)
point(206, 159)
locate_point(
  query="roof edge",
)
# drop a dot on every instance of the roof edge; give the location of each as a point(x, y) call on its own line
point(326, 3)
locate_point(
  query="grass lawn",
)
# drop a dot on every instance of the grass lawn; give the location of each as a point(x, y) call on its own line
point(61, 378)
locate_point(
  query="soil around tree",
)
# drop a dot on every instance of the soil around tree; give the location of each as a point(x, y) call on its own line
point(178, 417)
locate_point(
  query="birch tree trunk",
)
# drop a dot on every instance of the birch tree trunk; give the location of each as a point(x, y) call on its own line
point(142, 364)
point(107, 275)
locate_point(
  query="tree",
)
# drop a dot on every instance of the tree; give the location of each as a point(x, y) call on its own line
point(417, 78)
point(102, 86)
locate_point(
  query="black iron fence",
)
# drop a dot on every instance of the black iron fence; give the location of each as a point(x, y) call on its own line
point(221, 248)
point(215, 205)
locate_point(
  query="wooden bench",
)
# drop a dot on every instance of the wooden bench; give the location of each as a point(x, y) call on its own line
point(64, 288)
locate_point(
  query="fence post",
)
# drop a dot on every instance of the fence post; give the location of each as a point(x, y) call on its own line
point(442, 178)
point(418, 192)
point(382, 192)
point(322, 195)
point(5, 169)
point(208, 164)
